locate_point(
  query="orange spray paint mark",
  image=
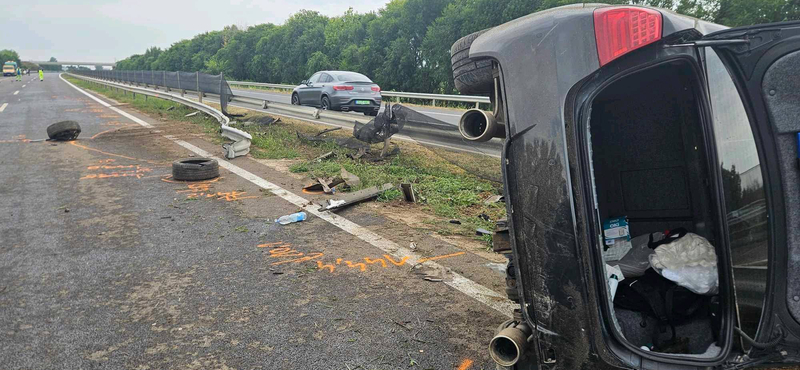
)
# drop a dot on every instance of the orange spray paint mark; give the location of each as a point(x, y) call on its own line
point(440, 257)
point(309, 257)
point(360, 265)
point(374, 261)
point(396, 263)
point(269, 244)
point(466, 364)
point(321, 266)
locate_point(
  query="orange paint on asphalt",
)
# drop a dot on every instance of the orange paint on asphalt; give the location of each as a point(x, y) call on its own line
point(466, 364)
point(440, 257)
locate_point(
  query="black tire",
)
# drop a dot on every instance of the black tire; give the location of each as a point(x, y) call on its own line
point(295, 99)
point(195, 169)
point(64, 131)
point(470, 76)
point(325, 104)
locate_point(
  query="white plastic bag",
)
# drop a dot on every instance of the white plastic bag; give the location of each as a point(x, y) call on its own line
point(637, 259)
point(690, 262)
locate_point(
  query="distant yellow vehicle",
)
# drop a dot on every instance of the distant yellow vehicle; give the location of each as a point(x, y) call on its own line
point(9, 68)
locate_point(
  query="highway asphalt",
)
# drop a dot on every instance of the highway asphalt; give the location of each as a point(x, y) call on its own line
point(108, 263)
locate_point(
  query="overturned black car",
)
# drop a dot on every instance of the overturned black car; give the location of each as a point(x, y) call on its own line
point(650, 169)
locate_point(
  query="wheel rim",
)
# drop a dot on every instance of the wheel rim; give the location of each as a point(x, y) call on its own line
point(324, 103)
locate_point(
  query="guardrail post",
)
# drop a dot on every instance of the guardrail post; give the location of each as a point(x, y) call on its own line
point(164, 80)
point(199, 93)
point(434, 102)
point(179, 84)
point(477, 105)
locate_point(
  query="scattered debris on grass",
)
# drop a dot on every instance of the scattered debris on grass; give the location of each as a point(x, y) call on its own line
point(494, 199)
point(323, 157)
point(408, 193)
point(356, 197)
point(481, 232)
point(192, 114)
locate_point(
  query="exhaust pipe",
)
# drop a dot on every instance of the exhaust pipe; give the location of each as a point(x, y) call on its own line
point(508, 346)
point(478, 125)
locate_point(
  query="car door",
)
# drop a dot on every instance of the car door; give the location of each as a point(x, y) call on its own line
point(319, 86)
point(764, 61)
point(305, 92)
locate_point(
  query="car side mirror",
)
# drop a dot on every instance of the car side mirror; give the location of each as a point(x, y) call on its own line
point(304, 82)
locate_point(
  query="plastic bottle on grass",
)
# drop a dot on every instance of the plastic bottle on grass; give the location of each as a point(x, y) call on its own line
point(294, 217)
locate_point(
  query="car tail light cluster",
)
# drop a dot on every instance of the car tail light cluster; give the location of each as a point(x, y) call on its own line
point(376, 88)
point(342, 87)
point(620, 30)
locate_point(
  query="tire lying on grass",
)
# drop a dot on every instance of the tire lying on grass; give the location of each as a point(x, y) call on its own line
point(64, 131)
point(195, 169)
point(470, 76)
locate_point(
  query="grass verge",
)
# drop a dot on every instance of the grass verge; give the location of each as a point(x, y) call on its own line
point(443, 187)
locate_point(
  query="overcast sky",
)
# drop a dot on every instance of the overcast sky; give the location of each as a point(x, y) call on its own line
point(105, 31)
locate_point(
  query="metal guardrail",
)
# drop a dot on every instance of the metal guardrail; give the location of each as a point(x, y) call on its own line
point(434, 133)
point(389, 94)
point(223, 120)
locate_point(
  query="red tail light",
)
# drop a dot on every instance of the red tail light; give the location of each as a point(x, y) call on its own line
point(342, 87)
point(620, 30)
point(376, 88)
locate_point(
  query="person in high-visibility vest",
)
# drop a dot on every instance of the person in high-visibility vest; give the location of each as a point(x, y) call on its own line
point(19, 74)
point(41, 75)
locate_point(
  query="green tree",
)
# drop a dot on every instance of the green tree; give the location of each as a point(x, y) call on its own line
point(7, 55)
point(53, 60)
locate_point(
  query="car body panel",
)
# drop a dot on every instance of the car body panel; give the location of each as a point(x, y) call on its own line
point(766, 76)
point(553, 53)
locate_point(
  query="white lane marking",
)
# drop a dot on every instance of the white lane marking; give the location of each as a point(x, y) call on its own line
point(464, 285)
point(459, 282)
point(115, 109)
point(3, 107)
point(24, 85)
point(16, 92)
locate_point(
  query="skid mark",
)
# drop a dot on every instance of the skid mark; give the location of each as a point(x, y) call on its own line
point(75, 143)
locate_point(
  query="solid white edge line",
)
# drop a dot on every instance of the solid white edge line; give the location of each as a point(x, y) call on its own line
point(464, 285)
point(3, 107)
point(107, 105)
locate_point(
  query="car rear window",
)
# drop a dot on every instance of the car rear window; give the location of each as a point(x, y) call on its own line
point(352, 77)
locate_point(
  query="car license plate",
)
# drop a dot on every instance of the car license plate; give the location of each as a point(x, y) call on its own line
point(362, 102)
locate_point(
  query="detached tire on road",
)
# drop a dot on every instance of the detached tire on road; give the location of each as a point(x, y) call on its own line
point(195, 169)
point(64, 131)
point(472, 77)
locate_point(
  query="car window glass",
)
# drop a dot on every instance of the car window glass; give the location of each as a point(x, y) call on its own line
point(314, 78)
point(325, 78)
point(352, 77)
point(743, 186)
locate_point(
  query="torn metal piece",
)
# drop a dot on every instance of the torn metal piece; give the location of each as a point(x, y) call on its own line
point(408, 193)
point(327, 130)
point(501, 240)
point(494, 199)
point(321, 184)
point(240, 145)
point(359, 196)
point(192, 114)
point(350, 180)
point(481, 232)
point(323, 157)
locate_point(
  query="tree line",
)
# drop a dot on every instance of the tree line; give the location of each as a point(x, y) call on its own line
point(404, 46)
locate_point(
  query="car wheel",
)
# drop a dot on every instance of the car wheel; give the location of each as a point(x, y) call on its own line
point(295, 99)
point(470, 76)
point(195, 169)
point(326, 103)
point(64, 131)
